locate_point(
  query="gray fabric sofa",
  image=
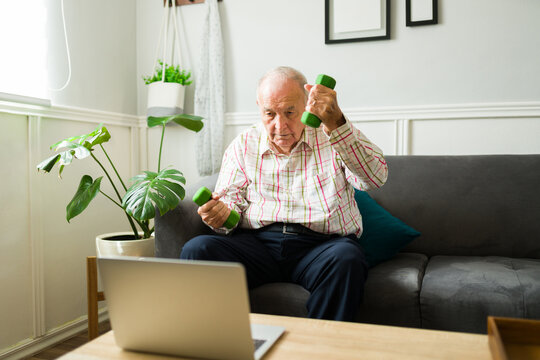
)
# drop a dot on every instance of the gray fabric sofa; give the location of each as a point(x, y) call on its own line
point(478, 255)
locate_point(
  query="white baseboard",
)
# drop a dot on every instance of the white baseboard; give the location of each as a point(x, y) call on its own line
point(29, 347)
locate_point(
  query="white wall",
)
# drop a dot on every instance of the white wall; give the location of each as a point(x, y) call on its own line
point(102, 41)
point(481, 54)
point(481, 51)
point(43, 273)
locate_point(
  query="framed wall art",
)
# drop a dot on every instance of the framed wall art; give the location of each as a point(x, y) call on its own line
point(353, 20)
point(421, 12)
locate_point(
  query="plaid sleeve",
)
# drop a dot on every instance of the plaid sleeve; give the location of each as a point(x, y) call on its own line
point(232, 180)
point(364, 162)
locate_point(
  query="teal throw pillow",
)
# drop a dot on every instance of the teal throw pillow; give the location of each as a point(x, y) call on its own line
point(384, 235)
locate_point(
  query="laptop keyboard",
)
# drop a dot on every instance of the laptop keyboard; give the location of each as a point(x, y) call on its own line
point(258, 343)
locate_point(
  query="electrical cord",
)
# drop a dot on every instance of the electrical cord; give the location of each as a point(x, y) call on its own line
point(67, 50)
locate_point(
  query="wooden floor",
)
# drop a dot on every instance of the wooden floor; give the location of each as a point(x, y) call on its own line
point(58, 350)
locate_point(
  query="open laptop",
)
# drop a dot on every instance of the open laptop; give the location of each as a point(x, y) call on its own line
point(185, 308)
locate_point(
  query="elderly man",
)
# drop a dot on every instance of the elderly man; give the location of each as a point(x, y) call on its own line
point(293, 186)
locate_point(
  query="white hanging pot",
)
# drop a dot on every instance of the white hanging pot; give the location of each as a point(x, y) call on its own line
point(165, 99)
point(123, 244)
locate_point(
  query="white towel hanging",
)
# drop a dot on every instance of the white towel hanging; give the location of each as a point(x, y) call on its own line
point(210, 92)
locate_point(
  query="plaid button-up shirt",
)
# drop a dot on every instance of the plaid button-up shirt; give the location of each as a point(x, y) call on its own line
point(313, 186)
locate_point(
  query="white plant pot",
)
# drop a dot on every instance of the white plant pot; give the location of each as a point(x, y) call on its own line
point(112, 244)
point(165, 99)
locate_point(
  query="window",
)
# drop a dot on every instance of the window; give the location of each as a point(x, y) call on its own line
point(23, 51)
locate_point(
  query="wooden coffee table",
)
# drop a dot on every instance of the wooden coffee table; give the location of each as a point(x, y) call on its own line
point(321, 339)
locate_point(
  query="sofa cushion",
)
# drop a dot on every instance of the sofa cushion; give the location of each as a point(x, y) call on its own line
point(285, 299)
point(383, 234)
point(392, 291)
point(390, 297)
point(459, 292)
point(479, 205)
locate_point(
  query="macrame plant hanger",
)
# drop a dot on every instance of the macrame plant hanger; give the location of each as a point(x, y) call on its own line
point(166, 98)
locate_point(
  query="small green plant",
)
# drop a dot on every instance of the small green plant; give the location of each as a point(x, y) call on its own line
point(173, 74)
point(163, 189)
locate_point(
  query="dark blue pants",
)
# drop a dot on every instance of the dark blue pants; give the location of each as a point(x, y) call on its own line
point(332, 269)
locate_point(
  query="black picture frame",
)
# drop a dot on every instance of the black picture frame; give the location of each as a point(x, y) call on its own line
point(330, 37)
point(434, 16)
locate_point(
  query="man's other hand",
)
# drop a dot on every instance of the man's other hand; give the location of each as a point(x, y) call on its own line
point(214, 212)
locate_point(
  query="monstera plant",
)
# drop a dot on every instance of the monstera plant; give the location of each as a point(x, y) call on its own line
point(163, 189)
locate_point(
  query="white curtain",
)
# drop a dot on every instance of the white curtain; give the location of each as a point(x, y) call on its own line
point(210, 92)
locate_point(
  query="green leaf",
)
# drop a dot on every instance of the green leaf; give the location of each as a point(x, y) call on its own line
point(68, 140)
point(152, 121)
point(47, 164)
point(172, 74)
point(163, 190)
point(64, 157)
point(78, 147)
point(190, 122)
point(96, 137)
point(61, 170)
point(99, 136)
point(86, 192)
point(160, 202)
point(175, 175)
point(73, 151)
point(76, 151)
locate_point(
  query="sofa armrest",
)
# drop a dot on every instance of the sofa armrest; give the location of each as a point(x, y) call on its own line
point(176, 227)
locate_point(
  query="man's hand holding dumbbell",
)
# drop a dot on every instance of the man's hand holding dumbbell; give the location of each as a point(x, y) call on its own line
point(213, 211)
point(322, 102)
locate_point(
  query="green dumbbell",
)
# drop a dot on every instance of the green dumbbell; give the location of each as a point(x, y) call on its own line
point(202, 196)
point(308, 118)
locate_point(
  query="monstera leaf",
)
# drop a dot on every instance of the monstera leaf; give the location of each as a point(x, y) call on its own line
point(86, 192)
point(191, 122)
point(64, 157)
point(163, 190)
point(78, 147)
point(99, 136)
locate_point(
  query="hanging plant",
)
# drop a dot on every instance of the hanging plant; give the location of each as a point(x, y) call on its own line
point(173, 74)
point(166, 86)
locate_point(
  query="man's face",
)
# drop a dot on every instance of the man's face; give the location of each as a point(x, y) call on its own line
point(282, 102)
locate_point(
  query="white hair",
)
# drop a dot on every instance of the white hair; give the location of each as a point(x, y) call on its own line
point(284, 72)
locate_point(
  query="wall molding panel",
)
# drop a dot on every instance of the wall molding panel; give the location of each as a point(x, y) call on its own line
point(405, 118)
point(44, 330)
point(447, 111)
point(401, 137)
point(36, 229)
point(71, 113)
point(424, 112)
point(28, 347)
point(373, 114)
